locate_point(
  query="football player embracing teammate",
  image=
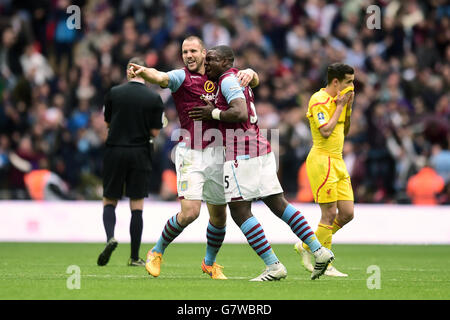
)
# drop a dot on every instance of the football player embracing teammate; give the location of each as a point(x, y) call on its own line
point(199, 161)
point(250, 168)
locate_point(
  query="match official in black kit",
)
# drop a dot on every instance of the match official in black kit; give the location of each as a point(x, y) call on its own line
point(134, 114)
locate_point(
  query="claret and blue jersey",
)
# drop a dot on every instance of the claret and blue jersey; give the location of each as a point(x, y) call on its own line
point(243, 139)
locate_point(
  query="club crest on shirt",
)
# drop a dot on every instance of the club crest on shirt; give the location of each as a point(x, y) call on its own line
point(184, 185)
point(209, 86)
point(321, 117)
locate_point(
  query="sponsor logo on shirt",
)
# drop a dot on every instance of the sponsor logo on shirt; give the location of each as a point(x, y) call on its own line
point(208, 96)
point(209, 86)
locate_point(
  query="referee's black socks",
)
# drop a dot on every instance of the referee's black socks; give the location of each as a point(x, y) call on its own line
point(109, 220)
point(136, 226)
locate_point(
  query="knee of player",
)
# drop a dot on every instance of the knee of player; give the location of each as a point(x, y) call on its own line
point(217, 212)
point(349, 215)
point(240, 216)
point(346, 216)
point(330, 212)
point(277, 204)
point(190, 214)
point(218, 220)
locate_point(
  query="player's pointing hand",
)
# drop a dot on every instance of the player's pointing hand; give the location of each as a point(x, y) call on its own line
point(136, 69)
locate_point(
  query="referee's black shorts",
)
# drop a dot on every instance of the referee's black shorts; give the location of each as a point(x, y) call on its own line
point(126, 168)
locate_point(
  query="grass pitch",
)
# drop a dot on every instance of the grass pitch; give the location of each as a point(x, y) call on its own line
point(40, 271)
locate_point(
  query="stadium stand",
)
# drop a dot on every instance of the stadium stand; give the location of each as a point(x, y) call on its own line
point(53, 79)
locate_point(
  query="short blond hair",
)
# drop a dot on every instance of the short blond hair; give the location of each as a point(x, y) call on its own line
point(195, 38)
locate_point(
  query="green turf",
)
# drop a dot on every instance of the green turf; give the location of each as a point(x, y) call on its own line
point(38, 271)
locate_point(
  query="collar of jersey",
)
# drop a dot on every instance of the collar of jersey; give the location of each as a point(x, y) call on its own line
point(333, 99)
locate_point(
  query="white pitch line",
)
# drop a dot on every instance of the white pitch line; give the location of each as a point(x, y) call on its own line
point(115, 276)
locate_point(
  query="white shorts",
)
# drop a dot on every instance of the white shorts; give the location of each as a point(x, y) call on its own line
point(200, 174)
point(249, 179)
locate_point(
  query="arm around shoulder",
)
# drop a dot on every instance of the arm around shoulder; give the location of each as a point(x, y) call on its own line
point(255, 80)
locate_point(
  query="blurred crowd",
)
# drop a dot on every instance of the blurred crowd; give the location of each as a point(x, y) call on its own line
point(53, 79)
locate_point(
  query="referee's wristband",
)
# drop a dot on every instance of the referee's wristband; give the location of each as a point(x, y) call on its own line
point(215, 114)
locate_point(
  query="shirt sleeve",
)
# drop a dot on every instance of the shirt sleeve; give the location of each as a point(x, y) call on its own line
point(320, 114)
point(107, 107)
point(231, 89)
point(176, 79)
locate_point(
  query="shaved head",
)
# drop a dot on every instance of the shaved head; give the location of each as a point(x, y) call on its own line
point(218, 60)
point(224, 53)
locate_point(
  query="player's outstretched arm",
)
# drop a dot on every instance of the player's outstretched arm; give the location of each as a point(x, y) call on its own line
point(236, 112)
point(150, 75)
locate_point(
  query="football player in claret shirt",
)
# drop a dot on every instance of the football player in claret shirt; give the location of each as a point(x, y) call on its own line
point(199, 161)
point(329, 113)
point(250, 167)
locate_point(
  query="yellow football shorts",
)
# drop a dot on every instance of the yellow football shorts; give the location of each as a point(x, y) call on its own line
point(328, 177)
